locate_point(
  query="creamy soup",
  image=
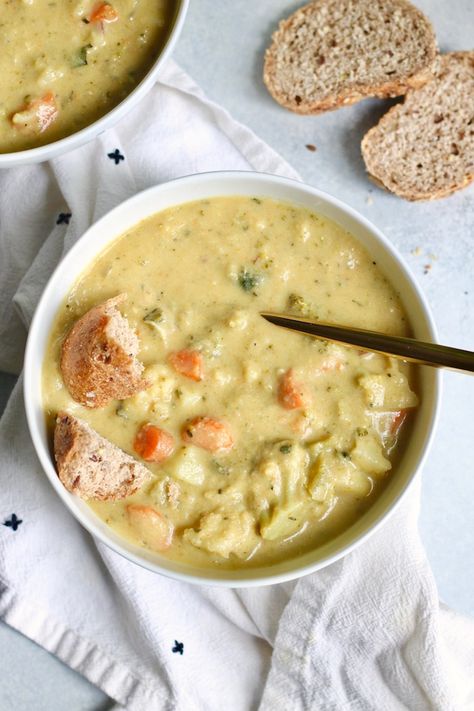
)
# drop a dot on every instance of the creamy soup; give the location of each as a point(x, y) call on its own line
point(310, 431)
point(64, 64)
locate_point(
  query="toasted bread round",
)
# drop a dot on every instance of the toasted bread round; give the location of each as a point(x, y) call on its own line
point(99, 357)
point(333, 53)
point(423, 149)
point(92, 467)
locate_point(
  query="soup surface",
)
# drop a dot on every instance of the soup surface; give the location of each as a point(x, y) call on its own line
point(311, 429)
point(65, 64)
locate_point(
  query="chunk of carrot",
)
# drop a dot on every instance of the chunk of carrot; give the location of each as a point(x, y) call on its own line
point(151, 526)
point(37, 115)
point(208, 433)
point(290, 393)
point(188, 363)
point(104, 12)
point(399, 418)
point(153, 444)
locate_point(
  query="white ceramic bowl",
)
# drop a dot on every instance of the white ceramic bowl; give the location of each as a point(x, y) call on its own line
point(51, 150)
point(204, 186)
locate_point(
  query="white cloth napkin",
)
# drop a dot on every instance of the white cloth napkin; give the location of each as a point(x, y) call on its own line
point(366, 633)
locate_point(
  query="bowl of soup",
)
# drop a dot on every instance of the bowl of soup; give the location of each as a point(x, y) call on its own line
point(262, 455)
point(72, 69)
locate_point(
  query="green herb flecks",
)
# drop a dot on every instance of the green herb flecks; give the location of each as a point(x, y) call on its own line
point(121, 411)
point(249, 281)
point(154, 316)
point(220, 468)
point(80, 58)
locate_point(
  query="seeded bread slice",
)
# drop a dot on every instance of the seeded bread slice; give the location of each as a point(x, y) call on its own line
point(423, 149)
point(92, 467)
point(333, 53)
point(99, 357)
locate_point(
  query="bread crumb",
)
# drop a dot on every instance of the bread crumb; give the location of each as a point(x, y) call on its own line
point(427, 268)
point(369, 200)
point(311, 147)
point(417, 251)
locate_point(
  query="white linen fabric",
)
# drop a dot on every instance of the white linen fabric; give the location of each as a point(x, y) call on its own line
point(366, 633)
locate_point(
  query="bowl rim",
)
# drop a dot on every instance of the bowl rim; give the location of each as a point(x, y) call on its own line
point(44, 454)
point(97, 127)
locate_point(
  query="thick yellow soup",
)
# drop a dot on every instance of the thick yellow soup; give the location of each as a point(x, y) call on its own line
point(272, 442)
point(65, 64)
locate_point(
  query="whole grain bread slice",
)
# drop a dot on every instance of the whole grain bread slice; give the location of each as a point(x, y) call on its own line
point(99, 357)
point(333, 53)
point(423, 149)
point(92, 467)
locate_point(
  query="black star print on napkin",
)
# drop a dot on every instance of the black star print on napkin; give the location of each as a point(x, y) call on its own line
point(116, 156)
point(178, 647)
point(13, 522)
point(63, 218)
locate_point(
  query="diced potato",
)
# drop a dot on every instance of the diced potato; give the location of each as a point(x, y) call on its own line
point(166, 492)
point(187, 465)
point(334, 473)
point(321, 479)
point(224, 533)
point(321, 490)
point(353, 481)
point(368, 455)
point(388, 391)
point(265, 485)
point(284, 521)
point(292, 460)
point(279, 476)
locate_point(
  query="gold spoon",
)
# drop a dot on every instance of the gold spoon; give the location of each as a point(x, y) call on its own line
point(399, 347)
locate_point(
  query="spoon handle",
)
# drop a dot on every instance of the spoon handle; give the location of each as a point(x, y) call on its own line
point(408, 349)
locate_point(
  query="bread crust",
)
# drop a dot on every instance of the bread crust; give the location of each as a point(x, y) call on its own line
point(372, 158)
point(90, 466)
point(95, 365)
point(354, 93)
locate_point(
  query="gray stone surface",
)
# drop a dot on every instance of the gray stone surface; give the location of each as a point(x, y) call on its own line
point(222, 48)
